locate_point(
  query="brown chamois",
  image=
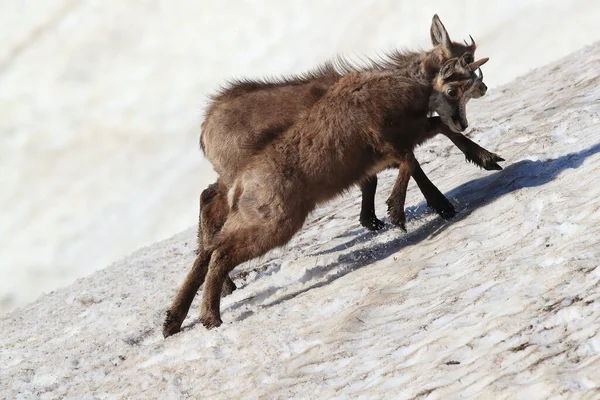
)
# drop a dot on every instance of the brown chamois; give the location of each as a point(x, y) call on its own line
point(364, 123)
point(248, 115)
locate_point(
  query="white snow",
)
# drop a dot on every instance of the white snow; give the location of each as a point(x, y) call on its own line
point(100, 104)
point(503, 301)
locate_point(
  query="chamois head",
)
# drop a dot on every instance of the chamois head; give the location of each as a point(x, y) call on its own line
point(449, 49)
point(453, 87)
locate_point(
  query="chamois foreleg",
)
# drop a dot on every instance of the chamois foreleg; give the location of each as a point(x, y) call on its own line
point(475, 153)
point(397, 199)
point(435, 199)
point(368, 219)
point(472, 151)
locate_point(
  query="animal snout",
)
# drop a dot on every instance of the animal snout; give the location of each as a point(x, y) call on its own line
point(459, 122)
point(483, 89)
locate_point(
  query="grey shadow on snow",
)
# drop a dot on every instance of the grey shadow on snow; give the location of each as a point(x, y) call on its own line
point(470, 196)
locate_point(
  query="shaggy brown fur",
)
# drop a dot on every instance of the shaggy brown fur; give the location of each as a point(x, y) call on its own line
point(248, 115)
point(364, 123)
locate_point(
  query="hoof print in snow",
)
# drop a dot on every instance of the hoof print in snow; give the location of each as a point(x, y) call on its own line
point(228, 287)
point(520, 347)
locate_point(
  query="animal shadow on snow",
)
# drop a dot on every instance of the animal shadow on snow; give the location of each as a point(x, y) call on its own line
point(471, 195)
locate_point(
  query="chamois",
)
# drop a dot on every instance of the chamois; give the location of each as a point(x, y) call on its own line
point(248, 115)
point(364, 123)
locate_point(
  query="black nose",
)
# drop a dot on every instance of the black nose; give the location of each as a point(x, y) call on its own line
point(483, 89)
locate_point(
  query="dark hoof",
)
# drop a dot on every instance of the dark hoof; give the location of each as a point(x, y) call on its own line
point(228, 287)
point(399, 223)
point(447, 213)
point(397, 217)
point(493, 165)
point(172, 325)
point(444, 208)
point(372, 223)
point(486, 160)
point(210, 321)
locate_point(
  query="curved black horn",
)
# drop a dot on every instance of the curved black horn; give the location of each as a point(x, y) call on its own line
point(480, 73)
point(472, 41)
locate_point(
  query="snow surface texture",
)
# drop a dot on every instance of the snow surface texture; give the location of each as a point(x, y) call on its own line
point(101, 101)
point(503, 301)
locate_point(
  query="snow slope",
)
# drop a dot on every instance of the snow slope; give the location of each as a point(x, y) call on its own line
point(501, 302)
point(100, 104)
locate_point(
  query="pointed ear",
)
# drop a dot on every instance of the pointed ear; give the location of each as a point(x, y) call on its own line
point(439, 34)
point(448, 68)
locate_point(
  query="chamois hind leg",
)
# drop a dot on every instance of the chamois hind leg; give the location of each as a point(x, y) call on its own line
point(213, 214)
point(241, 241)
point(435, 199)
point(398, 197)
point(368, 219)
point(183, 300)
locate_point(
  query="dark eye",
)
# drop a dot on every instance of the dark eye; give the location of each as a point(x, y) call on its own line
point(452, 92)
point(468, 59)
